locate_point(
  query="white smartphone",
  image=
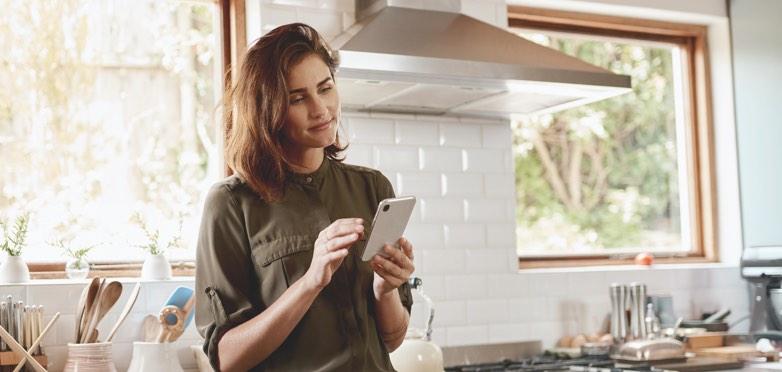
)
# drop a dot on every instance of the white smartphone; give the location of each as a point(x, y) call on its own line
point(388, 225)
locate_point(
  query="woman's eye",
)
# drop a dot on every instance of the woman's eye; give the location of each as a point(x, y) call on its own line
point(296, 100)
point(325, 89)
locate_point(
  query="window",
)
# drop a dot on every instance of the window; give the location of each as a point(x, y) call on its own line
point(107, 118)
point(601, 183)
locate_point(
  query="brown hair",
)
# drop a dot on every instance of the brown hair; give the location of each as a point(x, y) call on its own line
point(255, 108)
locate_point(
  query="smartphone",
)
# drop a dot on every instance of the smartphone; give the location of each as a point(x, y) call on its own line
point(388, 225)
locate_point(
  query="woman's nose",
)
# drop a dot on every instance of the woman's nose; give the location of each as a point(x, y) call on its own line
point(319, 108)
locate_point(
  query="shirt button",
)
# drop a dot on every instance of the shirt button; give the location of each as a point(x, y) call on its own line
point(308, 179)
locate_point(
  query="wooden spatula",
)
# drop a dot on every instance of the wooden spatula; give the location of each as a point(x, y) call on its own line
point(125, 311)
point(89, 301)
point(106, 299)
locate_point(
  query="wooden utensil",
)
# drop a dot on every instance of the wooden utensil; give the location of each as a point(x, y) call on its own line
point(107, 297)
point(80, 310)
point(174, 333)
point(125, 311)
point(86, 308)
point(150, 327)
point(38, 340)
point(166, 328)
point(93, 338)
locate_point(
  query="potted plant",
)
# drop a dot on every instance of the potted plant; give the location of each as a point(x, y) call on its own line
point(156, 265)
point(14, 269)
point(77, 266)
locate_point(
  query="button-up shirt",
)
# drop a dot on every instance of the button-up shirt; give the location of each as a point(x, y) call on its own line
point(250, 252)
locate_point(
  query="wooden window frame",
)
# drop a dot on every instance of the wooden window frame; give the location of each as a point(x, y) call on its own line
point(233, 43)
point(698, 111)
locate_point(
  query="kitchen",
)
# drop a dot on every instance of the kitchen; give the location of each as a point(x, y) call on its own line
point(462, 170)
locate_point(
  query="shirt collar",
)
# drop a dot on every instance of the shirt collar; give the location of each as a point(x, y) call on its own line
point(315, 177)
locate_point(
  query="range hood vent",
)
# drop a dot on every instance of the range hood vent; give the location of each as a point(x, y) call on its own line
point(411, 60)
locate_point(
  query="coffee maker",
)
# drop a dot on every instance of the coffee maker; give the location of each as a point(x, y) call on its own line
point(761, 266)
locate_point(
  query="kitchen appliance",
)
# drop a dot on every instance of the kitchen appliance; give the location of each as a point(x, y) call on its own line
point(618, 294)
point(648, 350)
point(426, 57)
point(762, 267)
point(418, 353)
point(637, 310)
point(553, 363)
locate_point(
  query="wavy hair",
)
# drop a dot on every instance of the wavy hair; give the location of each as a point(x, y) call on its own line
point(255, 108)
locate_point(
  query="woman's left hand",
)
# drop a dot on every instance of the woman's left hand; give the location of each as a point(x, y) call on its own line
point(392, 272)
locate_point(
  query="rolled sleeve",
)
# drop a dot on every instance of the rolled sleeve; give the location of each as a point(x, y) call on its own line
point(226, 283)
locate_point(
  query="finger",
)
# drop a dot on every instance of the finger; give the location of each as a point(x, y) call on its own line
point(337, 255)
point(388, 277)
point(398, 257)
point(390, 267)
point(407, 247)
point(341, 242)
point(344, 226)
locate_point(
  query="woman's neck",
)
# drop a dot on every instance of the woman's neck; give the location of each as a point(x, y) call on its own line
point(307, 161)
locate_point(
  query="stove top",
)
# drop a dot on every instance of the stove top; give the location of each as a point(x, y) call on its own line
point(550, 363)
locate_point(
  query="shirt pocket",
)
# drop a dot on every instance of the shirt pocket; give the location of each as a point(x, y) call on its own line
point(281, 262)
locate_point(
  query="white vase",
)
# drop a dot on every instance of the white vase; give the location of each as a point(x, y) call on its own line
point(153, 356)
point(14, 270)
point(156, 267)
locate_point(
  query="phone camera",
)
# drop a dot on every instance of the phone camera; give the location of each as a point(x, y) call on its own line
point(386, 207)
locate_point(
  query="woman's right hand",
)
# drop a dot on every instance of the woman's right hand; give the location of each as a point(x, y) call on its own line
point(331, 248)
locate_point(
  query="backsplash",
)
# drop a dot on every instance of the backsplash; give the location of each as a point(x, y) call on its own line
point(463, 231)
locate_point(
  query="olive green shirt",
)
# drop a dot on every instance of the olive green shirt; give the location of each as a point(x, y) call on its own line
point(250, 252)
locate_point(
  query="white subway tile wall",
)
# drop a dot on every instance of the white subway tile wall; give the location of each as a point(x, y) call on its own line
point(465, 239)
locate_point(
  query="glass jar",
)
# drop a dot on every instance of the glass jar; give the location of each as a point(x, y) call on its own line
point(77, 268)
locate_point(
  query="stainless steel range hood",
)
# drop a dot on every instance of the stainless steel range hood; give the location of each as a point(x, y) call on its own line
point(412, 60)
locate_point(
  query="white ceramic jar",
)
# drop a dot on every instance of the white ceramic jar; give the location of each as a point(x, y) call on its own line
point(156, 267)
point(14, 270)
point(95, 357)
point(152, 356)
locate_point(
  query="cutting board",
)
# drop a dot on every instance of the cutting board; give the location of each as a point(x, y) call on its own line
point(729, 352)
point(702, 364)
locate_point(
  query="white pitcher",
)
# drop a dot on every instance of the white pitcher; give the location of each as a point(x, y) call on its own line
point(153, 356)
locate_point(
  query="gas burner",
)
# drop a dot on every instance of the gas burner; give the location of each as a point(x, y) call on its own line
point(547, 363)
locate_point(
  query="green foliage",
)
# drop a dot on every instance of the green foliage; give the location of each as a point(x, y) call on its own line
point(77, 253)
point(608, 168)
point(14, 240)
point(154, 244)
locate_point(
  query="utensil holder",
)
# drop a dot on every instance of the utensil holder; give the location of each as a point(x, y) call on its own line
point(94, 357)
point(153, 356)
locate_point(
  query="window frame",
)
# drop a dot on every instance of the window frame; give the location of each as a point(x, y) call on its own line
point(699, 137)
point(233, 45)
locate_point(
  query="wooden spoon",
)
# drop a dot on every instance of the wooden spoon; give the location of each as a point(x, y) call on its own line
point(125, 311)
point(106, 299)
point(86, 307)
point(80, 308)
point(150, 328)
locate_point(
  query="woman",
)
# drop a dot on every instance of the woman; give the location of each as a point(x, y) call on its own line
point(279, 279)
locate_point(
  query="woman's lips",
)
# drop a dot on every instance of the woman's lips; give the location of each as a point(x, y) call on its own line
point(323, 126)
